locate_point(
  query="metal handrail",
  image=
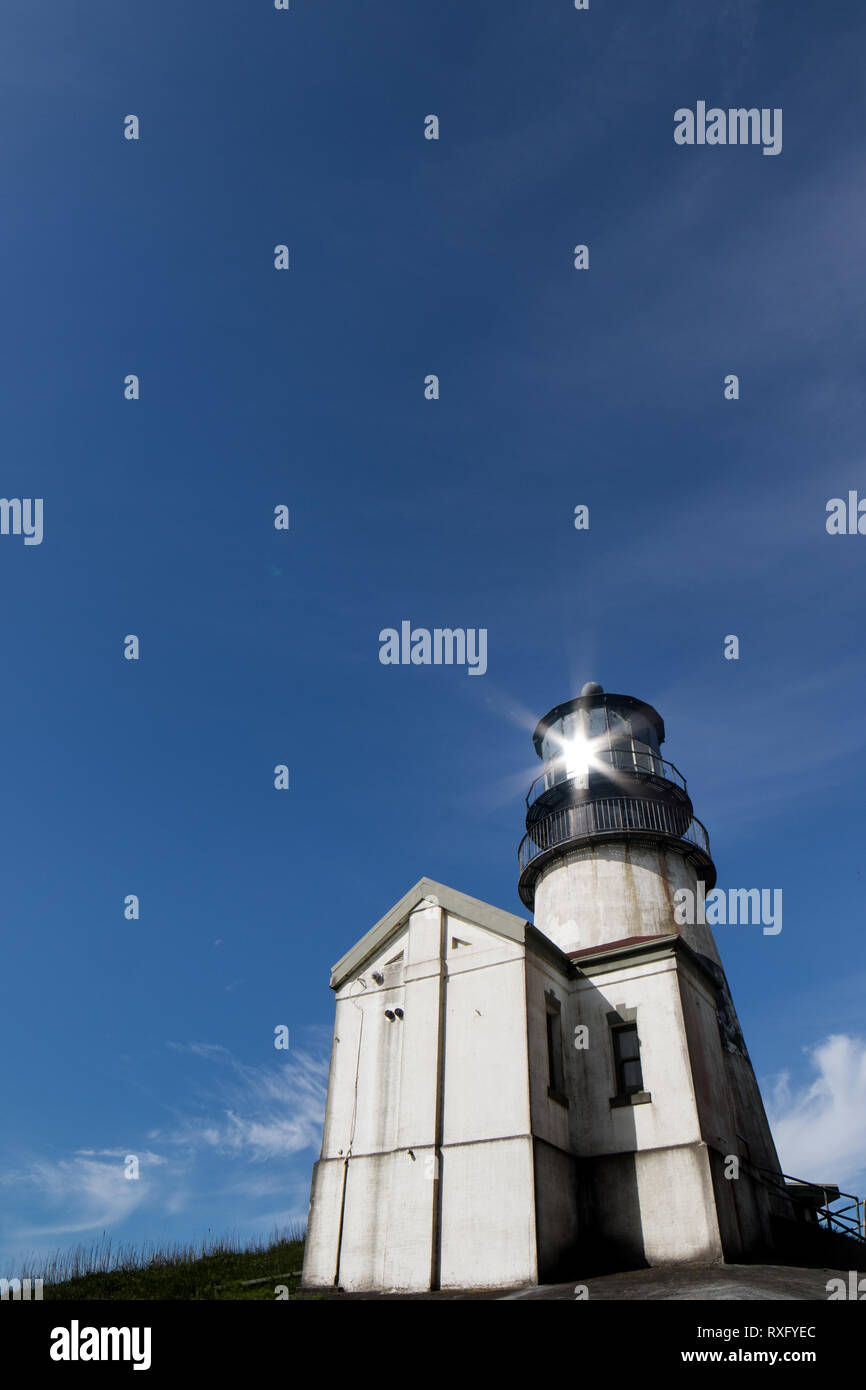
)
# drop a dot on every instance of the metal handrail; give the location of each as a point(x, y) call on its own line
point(848, 1225)
point(606, 815)
point(854, 1226)
point(620, 760)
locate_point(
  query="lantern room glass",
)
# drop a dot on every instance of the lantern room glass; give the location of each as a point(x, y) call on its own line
point(590, 739)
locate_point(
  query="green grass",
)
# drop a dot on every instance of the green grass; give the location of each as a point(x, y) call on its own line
point(214, 1270)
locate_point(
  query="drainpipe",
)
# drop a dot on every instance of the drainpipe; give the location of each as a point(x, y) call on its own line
point(363, 985)
point(439, 1111)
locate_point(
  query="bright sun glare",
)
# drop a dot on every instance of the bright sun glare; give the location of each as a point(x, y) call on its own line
point(578, 756)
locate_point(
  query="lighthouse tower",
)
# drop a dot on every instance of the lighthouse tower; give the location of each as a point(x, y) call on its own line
point(512, 1102)
point(678, 1162)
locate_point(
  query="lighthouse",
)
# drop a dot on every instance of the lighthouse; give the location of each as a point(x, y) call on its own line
point(515, 1101)
point(678, 1162)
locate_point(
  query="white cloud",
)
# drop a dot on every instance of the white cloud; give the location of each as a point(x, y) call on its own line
point(206, 1050)
point(820, 1127)
point(265, 1111)
point(241, 1115)
point(143, 1156)
point(89, 1192)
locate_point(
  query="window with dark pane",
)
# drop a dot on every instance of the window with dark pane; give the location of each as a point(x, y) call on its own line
point(626, 1051)
point(554, 1050)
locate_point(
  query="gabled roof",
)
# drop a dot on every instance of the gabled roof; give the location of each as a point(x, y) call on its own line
point(460, 904)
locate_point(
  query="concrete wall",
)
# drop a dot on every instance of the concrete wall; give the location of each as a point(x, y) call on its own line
point(387, 1228)
point(604, 892)
point(557, 1206)
point(555, 1119)
point(486, 1075)
point(739, 1229)
point(323, 1223)
point(432, 1112)
point(551, 1120)
point(732, 1116)
point(648, 1179)
point(651, 989)
point(658, 1208)
point(488, 1216)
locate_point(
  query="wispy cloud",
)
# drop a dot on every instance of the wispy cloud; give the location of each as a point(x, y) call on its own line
point(236, 1115)
point(820, 1127)
point(210, 1051)
point(262, 1111)
point(87, 1192)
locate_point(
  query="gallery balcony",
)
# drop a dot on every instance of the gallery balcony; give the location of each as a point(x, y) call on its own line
point(612, 818)
point(616, 766)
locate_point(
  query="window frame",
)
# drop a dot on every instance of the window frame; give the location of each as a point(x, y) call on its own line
point(555, 1055)
point(623, 1088)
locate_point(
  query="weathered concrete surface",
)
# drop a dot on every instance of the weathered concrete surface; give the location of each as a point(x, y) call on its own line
point(729, 1283)
point(427, 1150)
point(602, 892)
point(699, 1283)
point(457, 1153)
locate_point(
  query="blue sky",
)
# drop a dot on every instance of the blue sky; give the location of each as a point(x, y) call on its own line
point(258, 387)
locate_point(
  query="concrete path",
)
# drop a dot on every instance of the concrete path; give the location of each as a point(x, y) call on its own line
point(730, 1283)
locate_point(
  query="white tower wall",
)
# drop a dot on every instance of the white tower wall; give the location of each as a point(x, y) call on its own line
point(604, 892)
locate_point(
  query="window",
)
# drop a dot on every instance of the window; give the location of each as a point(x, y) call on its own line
point(554, 1050)
point(621, 756)
point(626, 1053)
point(597, 721)
point(618, 725)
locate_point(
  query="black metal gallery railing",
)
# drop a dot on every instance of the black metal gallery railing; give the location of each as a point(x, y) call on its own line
point(618, 759)
point(610, 814)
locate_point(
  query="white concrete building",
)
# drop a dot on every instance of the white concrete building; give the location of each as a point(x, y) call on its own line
point(510, 1103)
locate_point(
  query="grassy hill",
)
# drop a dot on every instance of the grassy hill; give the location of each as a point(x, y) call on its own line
point(215, 1270)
